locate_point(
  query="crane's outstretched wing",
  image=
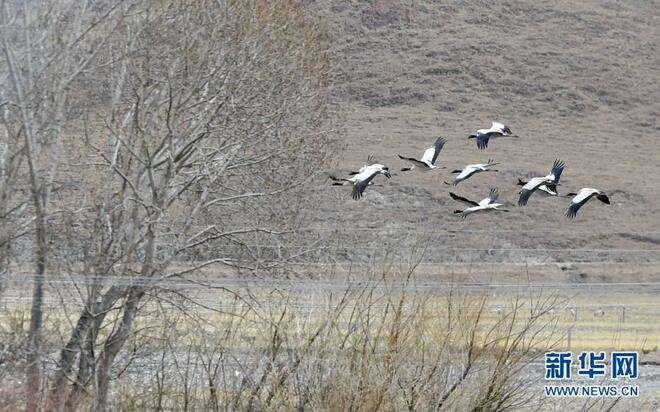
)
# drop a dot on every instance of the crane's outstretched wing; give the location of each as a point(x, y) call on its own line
point(581, 199)
point(557, 167)
point(413, 161)
point(528, 189)
point(462, 199)
point(525, 194)
point(431, 154)
point(572, 210)
point(493, 195)
point(468, 171)
point(482, 140)
point(464, 174)
point(359, 186)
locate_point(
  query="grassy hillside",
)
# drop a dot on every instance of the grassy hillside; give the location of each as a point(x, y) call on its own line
point(578, 81)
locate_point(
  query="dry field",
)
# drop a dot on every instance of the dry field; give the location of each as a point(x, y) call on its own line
point(169, 340)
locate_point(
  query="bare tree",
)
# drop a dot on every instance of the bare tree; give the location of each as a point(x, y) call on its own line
point(45, 49)
point(201, 123)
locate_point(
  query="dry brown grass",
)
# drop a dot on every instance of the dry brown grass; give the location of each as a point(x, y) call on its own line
point(386, 345)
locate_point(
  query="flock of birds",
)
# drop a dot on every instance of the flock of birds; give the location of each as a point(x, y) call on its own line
point(364, 177)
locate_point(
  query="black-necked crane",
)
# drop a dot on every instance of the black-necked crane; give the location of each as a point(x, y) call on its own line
point(550, 181)
point(363, 178)
point(550, 188)
point(488, 204)
point(471, 170)
point(582, 197)
point(428, 158)
point(484, 135)
point(341, 181)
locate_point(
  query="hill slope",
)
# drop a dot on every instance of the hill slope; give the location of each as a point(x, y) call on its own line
point(578, 81)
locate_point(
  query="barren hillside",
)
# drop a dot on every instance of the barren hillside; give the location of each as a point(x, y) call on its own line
point(579, 81)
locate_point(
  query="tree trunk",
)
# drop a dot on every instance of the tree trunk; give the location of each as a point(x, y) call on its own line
point(67, 359)
point(80, 342)
point(33, 387)
point(112, 346)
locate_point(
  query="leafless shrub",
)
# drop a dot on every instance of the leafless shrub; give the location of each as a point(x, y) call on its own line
point(384, 345)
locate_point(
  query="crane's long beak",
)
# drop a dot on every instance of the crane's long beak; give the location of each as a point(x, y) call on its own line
point(388, 175)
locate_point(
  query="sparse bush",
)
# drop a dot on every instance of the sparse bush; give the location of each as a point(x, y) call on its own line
point(383, 345)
